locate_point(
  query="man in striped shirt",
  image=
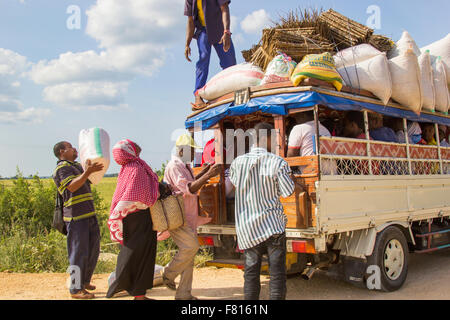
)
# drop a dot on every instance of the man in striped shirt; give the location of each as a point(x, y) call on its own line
point(260, 178)
point(83, 233)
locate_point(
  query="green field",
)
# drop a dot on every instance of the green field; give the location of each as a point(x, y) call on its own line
point(106, 189)
point(29, 244)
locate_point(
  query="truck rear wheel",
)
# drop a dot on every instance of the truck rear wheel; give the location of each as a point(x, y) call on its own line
point(390, 255)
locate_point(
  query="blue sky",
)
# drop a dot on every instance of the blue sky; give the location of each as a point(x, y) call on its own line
point(124, 68)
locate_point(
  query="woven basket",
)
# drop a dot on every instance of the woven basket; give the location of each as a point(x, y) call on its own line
point(168, 214)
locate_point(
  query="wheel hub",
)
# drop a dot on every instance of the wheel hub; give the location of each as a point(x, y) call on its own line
point(393, 259)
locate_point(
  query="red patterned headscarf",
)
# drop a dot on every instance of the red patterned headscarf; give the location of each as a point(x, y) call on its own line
point(136, 183)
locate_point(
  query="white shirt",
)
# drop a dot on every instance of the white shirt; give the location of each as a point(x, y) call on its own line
point(303, 137)
point(260, 178)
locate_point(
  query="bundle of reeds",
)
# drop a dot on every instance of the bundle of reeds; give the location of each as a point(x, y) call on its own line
point(311, 31)
point(297, 34)
point(382, 43)
point(299, 42)
point(295, 42)
point(345, 32)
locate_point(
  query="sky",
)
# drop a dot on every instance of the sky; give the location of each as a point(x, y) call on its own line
point(69, 65)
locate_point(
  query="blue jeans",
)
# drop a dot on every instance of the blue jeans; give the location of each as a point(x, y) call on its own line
point(227, 59)
point(83, 246)
point(275, 247)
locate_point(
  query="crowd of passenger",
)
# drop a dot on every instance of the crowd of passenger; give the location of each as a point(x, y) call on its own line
point(301, 133)
point(351, 125)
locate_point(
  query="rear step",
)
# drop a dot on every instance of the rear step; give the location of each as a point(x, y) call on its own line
point(234, 264)
point(432, 240)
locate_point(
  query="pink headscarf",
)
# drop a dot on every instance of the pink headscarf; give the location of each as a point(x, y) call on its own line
point(136, 183)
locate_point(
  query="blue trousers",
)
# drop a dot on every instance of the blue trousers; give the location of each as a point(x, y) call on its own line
point(83, 246)
point(275, 248)
point(227, 59)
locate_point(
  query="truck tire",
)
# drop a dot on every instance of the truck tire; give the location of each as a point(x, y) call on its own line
point(390, 255)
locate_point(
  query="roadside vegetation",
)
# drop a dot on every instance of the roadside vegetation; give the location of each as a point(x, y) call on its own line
point(29, 244)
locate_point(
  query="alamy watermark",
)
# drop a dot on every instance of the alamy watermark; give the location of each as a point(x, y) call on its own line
point(373, 282)
point(374, 19)
point(73, 22)
point(74, 281)
point(231, 143)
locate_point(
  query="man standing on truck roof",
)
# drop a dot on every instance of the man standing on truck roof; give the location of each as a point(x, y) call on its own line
point(208, 23)
point(260, 178)
point(179, 175)
point(83, 233)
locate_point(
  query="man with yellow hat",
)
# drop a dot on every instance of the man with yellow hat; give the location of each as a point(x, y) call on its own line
point(180, 176)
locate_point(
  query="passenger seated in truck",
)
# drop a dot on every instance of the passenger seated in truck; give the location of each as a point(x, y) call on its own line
point(354, 125)
point(302, 137)
point(378, 131)
point(428, 134)
point(333, 121)
point(414, 132)
point(302, 140)
point(443, 136)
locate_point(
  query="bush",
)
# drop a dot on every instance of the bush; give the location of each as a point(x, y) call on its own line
point(27, 241)
point(29, 244)
point(26, 204)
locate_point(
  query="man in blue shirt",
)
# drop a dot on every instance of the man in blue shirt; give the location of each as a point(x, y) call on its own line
point(260, 178)
point(208, 23)
point(378, 131)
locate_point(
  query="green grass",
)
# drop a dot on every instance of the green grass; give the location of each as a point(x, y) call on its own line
point(106, 190)
point(46, 250)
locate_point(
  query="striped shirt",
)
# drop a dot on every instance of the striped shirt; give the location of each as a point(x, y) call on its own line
point(79, 204)
point(260, 178)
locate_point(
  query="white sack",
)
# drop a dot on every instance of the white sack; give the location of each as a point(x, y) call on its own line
point(440, 86)
point(234, 78)
point(405, 43)
point(355, 55)
point(372, 75)
point(94, 145)
point(441, 49)
point(405, 75)
point(426, 81)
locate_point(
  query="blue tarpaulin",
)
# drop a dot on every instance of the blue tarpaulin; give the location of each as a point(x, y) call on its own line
point(280, 104)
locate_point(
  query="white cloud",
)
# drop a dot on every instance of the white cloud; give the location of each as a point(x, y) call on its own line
point(234, 21)
point(256, 21)
point(29, 116)
point(133, 38)
point(13, 67)
point(93, 95)
point(12, 63)
point(74, 67)
point(117, 23)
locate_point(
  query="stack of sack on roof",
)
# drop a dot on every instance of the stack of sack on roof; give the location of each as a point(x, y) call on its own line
point(330, 47)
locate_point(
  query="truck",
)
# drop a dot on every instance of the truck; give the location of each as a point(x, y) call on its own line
point(358, 221)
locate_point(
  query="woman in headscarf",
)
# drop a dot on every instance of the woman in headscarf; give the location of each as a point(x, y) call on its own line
point(414, 133)
point(130, 222)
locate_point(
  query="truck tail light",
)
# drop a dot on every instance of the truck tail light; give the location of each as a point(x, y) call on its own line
point(301, 246)
point(206, 241)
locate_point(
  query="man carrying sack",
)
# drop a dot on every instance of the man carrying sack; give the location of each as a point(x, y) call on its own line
point(83, 233)
point(179, 175)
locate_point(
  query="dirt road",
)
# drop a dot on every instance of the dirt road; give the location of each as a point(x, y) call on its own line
point(428, 278)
